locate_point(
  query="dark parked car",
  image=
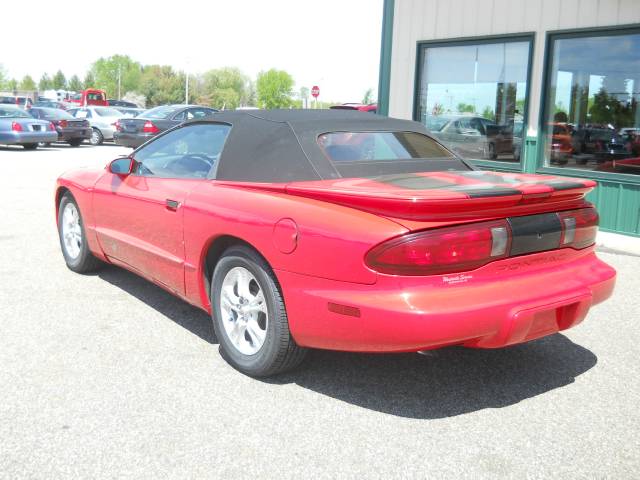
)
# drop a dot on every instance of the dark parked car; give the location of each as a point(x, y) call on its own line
point(121, 103)
point(52, 104)
point(129, 111)
point(70, 129)
point(133, 132)
point(17, 127)
point(602, 144)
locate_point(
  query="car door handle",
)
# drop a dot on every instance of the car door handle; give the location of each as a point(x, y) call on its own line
point(172, 205)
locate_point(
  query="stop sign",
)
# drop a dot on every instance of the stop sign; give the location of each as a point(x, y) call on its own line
point(315, 91)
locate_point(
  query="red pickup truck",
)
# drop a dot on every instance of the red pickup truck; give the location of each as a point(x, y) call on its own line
point(90, 96)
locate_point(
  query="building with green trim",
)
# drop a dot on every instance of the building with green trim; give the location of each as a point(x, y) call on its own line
point(548, 86)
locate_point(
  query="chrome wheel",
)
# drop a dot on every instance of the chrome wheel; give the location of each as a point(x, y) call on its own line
point(244, 311)
point(71, 231)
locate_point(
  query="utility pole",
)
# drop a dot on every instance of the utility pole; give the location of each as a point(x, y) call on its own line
point(119, 80)
point(186, 95)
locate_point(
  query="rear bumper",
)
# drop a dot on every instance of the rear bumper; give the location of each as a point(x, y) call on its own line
point(74, 134)
point(133, 140)
point(500, 304)
point(19, 138)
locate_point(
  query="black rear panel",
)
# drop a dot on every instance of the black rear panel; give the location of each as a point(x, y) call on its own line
point(535, 233)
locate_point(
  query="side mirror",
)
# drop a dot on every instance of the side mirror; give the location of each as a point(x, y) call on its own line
point(121, 166)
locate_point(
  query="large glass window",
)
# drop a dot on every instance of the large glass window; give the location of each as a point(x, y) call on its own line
point(472, 96)
point(592, 119)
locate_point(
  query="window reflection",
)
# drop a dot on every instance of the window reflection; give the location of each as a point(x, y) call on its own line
point(472, 97)
point(593, 120)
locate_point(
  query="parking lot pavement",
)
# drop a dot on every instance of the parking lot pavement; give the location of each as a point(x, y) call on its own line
point(108, 376)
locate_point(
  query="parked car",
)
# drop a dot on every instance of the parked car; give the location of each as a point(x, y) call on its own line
point(7, 100)
point(24, 102)
point(472, 136)
point(121, 103)
point(130, 112)
point(300, 229)
point(52, 104)
point(101, 119)
point(600, 144)
point(133, 132)
point(71, 130)
point(371, 108)
point(17, 127)
point(90, 96)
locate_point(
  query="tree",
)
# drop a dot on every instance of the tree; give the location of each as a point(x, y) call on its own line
point(107, 72)
point(59, 81)
point(161, 84)
point(12, 85)
point(27, 83)
point(224, 88)
point(368, 97)
point(489, 114)
point(466, 107)
point(274, 88)
point(3, 77)
point(75, 84)
point(89, 80)
point(44, 83)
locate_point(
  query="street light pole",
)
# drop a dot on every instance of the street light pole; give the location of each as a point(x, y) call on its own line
point(119, 81)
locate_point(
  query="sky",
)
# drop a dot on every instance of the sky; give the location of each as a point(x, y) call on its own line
point(334, 44)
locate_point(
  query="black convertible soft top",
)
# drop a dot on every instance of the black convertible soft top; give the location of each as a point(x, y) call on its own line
point(281, 145)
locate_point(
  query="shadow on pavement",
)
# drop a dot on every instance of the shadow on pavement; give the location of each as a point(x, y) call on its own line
point(443, 383)
point(193, 319)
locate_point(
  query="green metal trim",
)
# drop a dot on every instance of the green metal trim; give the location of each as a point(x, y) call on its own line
point(530, 154)
point(479, 40)
point(495, 165)
point(386, 44)
point(543, 130)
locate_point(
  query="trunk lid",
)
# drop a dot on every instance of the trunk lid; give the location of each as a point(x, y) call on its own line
point(448, 195)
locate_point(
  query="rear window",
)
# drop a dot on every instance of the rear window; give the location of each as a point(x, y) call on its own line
point(54, 114)
point(13, 112)
point(95, 96)
point(107, 112)
point(161, 112)
point(340, 147)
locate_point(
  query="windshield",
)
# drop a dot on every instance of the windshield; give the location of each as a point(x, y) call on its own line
point(108, 112)
point(435, 124)
point(13, 112)
point(160, 112)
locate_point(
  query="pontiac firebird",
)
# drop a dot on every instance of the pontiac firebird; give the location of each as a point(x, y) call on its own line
point(337, 230)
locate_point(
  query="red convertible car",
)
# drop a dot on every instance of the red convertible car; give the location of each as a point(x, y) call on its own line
point(337, 230)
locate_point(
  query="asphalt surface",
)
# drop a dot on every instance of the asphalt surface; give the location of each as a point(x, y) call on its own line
point(108, 376)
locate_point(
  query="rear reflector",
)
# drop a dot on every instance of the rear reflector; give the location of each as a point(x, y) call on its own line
point(466, 247)
point(343, 309)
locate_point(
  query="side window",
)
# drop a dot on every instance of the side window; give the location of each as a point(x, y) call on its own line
point(188, 152)
point(198, 113)
point(179, 117)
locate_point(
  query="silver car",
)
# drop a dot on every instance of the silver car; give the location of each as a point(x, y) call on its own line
point(17, 127)
point(101, 119)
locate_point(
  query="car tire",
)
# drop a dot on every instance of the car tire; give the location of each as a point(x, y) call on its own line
point(29, 146)
point(96, 137)
point(75, 143)
point(254, 335)
point(73, 238)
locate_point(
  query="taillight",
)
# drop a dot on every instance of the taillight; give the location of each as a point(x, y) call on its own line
point(16, 127)
point(52, 127)
point(149, 127)
point(118, 125)
point(63, 123)
point(444, 250)
point(466, 247)
point(579, 227)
